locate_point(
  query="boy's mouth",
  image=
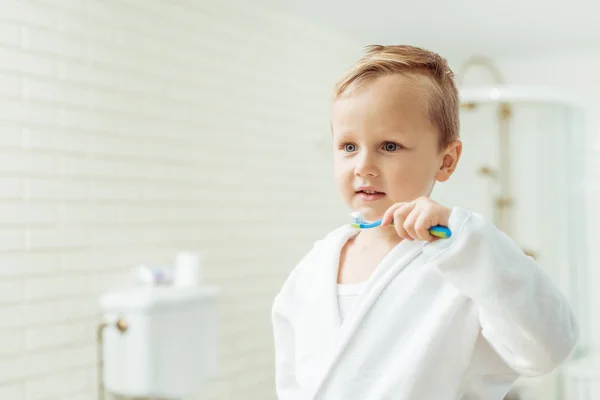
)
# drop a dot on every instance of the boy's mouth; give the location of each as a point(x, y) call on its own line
point(369, 194)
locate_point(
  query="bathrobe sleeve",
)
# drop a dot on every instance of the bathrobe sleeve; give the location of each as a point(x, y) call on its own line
point(283, 315)
point(523, 315)
point(283, 335)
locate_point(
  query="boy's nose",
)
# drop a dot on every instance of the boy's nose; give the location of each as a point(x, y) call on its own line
point(365, 166)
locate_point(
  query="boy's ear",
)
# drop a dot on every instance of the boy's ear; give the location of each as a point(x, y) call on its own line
point(449, 161)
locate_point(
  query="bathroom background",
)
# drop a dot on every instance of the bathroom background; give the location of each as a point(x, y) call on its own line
point(133, 129)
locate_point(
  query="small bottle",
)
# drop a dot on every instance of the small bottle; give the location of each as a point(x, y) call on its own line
point(188, 269)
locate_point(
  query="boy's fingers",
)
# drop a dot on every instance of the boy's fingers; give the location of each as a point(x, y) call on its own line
point(409, 222)
point(399, 217)
point(422, 232)
point(388, 216)
point(423, 223)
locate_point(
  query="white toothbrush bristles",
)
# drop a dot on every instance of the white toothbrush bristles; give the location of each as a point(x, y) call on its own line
point(357, 217)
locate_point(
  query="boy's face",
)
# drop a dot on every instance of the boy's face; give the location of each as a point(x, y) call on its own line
point(383, 142)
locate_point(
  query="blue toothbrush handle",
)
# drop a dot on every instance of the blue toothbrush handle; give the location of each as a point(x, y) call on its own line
point(438, 230)
point(367, 226)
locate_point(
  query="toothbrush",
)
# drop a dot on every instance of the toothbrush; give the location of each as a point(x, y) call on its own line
point(359, 222)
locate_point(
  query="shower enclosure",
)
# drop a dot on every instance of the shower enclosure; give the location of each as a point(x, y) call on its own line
point(523, 167)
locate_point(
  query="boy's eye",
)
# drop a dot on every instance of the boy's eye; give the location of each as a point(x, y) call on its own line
point(390, 146)
point(349, 147)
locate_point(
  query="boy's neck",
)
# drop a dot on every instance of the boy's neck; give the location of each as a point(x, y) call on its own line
point(368, 237)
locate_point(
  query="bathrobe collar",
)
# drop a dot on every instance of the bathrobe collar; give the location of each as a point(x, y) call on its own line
point(335, 335)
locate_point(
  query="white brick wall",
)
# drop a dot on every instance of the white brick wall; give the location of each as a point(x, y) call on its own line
point(130, 129)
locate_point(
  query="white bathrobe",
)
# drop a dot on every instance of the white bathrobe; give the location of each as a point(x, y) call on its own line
point(459, 318)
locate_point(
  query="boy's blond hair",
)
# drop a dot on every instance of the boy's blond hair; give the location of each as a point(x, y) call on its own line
point(430, 68)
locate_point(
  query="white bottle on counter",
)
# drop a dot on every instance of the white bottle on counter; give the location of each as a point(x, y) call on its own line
point(188, 269)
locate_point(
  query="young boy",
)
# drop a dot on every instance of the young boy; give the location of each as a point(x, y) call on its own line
point(391, 312)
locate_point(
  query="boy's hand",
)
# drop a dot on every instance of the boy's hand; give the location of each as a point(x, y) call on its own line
point(412, 220)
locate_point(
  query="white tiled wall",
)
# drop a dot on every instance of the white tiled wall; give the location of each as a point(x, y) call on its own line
point(131, 129)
